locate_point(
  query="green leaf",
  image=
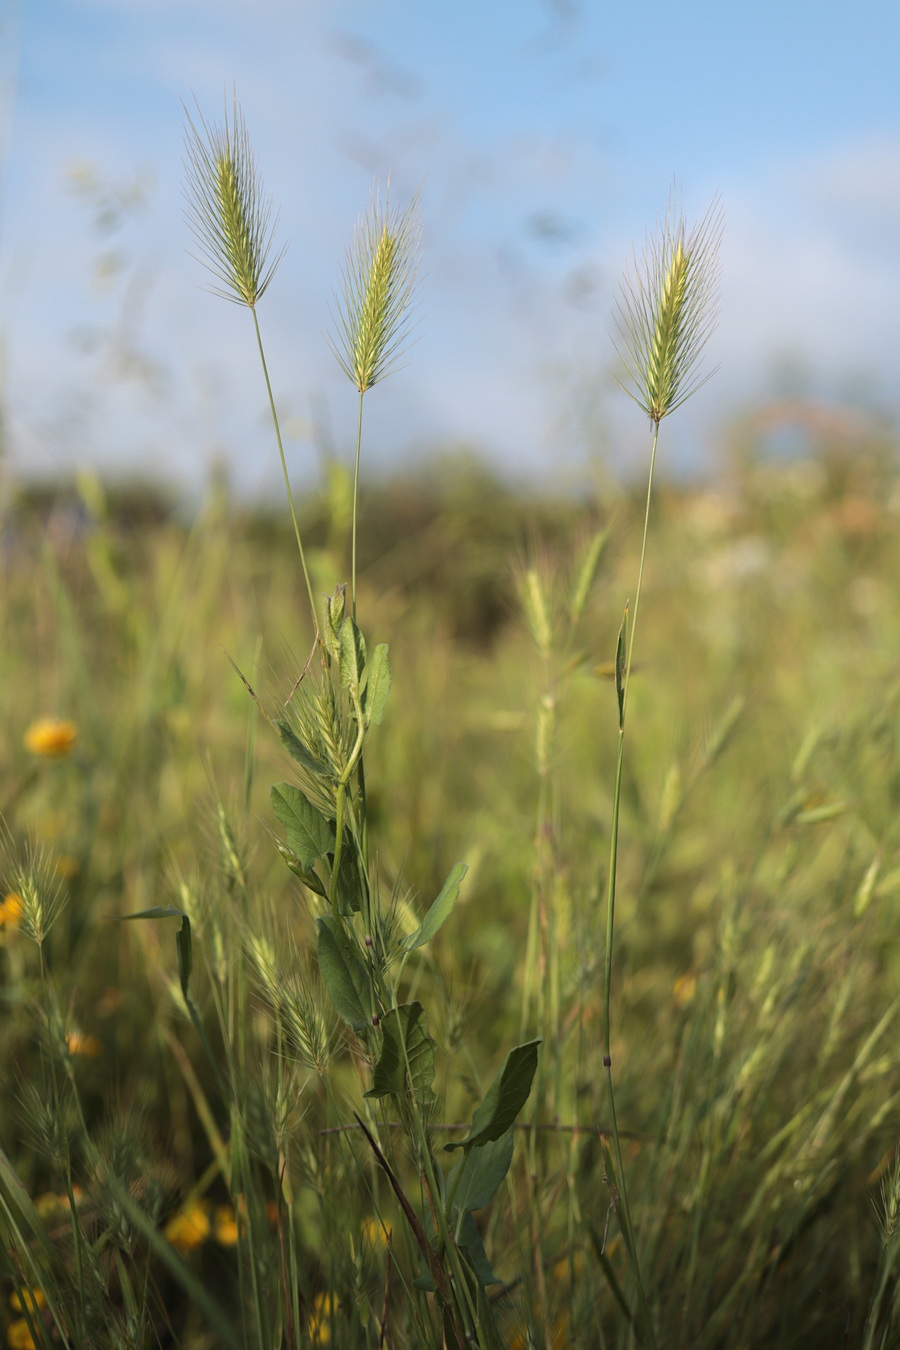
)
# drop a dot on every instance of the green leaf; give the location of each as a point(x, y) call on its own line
point(308, 877)
point(185, 954)
point(378, 685)
point(486, 1327)
point(407, 1056)
point(620, 667)
point(474, 1180)
point(351, 878)
point(310, 835)
point(344, 974)
point(353, 653)
point(439, 911)
point(182, 938)
point(298, 751)
point(157, 912)
point(471, 1243)
point(505, 1097)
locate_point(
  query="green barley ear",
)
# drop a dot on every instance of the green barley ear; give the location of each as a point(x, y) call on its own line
point(372, 311)
point(227, 209)
point(667, 310)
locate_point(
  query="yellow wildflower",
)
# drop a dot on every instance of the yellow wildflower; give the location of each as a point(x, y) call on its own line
point(325, 1305)
point(684, 989)
point(18, 1335)
point(48, 1206)
point(189, 1227)
point(51, 737)
point(23, 1298)
point(225, 1226)
point(374, 1232)
point(79, 1044)
point(11, 910)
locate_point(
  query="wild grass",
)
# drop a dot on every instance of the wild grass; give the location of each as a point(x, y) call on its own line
point(188, 1154)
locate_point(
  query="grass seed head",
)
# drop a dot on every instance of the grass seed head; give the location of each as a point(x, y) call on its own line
point(667, 310)
point(227, 209)
point(35, 897)
point(372, 311)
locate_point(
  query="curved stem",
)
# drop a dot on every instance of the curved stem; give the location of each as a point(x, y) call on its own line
point(287, 481)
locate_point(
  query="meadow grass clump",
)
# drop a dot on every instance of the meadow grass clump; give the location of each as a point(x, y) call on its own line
point(233, 1112)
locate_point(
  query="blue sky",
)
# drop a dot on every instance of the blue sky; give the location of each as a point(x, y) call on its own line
point(546, 135)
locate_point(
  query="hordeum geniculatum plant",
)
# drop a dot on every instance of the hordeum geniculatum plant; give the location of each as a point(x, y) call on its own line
point(227, 209)
point(666, 312)
point(667, 309)
point(232, 220)
point(373, 308)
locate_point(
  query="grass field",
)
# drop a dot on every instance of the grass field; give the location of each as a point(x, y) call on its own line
point(190, 1171)
point(365, 984)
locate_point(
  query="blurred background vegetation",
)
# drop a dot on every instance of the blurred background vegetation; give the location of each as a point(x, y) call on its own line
point(757, 967)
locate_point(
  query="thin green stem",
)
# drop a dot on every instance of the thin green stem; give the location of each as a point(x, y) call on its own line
point(359, 419)
point(284, 469)
point(640, 580)
point(623, 1205)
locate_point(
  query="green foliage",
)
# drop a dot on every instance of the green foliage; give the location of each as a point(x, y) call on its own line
point(406, 1063)
point(238, 1143)
point(344, 974)
point(504, 1099)
point(756, 1088)
point(439, 911)
point(309, 834)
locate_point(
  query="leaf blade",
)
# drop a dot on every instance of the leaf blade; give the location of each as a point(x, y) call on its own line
point(504, 1098)
point(378, 685)
point(439, 911)
point(310, 835)
point(407, 1055)
point(343, 973)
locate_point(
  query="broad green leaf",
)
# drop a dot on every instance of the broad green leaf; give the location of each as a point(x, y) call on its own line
point(439, 911)
point(505, 1097)
point(378, 684)
point(353, 653)
point(298, 751)
point(407, 1056)
point(474, 1180)
point(344, 974)
point(309, 834)
point(471, 1243)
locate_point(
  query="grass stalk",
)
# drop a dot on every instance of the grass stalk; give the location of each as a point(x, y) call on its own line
point(284, 469)
point(666, 313)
